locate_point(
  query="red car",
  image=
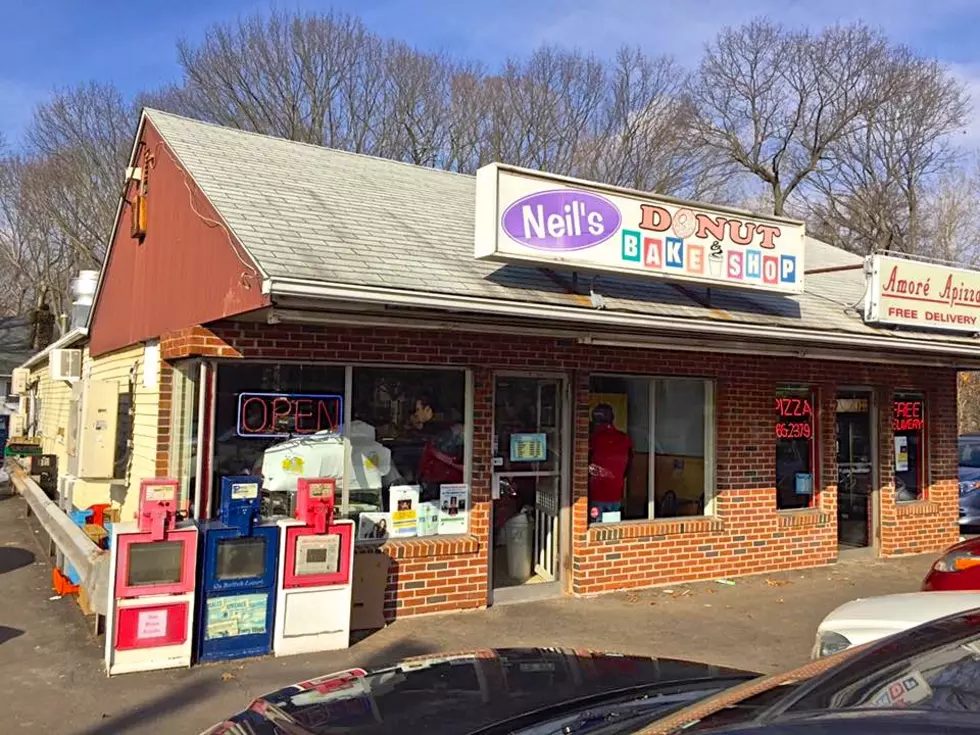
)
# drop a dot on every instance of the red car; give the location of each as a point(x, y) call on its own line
point(958, 570)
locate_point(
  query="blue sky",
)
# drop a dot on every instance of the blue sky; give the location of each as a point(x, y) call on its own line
point(61, 42)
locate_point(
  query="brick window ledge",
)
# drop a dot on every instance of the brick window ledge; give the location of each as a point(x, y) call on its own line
point(646, 529)
point(917, 508)
point(423, 548)
point(803, 518)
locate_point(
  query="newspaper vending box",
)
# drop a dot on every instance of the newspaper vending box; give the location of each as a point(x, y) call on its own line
point(316, 558)
point(238, 575)
point(151, 585)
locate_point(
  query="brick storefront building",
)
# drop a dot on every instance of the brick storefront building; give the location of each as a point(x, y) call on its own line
point(273, 267)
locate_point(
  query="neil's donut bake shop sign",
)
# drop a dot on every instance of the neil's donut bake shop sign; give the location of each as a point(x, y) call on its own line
point(525, 216)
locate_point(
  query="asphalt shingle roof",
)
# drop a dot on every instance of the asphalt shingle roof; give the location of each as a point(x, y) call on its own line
point(305, 211)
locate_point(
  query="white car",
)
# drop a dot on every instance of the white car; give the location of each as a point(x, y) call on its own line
point(865, 620)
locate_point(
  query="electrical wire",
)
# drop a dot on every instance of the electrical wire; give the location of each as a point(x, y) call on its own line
point(235, 246)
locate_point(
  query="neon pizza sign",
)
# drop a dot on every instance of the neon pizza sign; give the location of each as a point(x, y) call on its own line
point(268, 415)
point(795, 418)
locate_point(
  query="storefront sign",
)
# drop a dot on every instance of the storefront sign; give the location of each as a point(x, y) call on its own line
point(919, 294)
point(264, 415)
point(795, 416)
point(907, 415)
point(526, 216)
point(852, 405)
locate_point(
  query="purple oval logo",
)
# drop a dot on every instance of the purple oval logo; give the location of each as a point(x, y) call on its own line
point(561, 220)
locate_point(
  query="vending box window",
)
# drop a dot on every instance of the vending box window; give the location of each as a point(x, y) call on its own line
point(796, 441)
point(313, 600)
point(909, 457)
point(238, 575)
point(152, 584)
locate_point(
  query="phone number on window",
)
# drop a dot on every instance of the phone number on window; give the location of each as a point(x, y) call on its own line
point(786, 430)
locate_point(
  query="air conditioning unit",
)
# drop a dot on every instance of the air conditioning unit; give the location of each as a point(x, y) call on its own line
point(18, 425)
point(65, 364)
point(19, 381)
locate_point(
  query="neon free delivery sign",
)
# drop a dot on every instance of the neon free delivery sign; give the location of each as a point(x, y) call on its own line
point(525, 216)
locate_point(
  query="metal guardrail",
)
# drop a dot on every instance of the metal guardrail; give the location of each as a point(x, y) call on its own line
point(91, 562)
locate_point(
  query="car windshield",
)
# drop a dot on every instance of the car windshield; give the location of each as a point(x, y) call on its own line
point(970, 453)
point(934, 668)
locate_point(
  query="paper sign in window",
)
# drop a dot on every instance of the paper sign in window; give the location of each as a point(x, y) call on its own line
point(528, 447)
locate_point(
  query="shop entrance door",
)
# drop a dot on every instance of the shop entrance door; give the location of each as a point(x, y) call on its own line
point(529, 486)
point(855, 469)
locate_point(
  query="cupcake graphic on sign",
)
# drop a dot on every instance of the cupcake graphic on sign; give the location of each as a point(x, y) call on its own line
point(715, 259)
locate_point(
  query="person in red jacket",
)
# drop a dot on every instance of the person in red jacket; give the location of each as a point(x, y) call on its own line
point(610, 455)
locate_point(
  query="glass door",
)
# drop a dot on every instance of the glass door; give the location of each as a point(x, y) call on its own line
point(855, 468)
point(528, 479)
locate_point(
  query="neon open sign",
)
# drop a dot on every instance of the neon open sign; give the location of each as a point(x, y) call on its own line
point(288, 414)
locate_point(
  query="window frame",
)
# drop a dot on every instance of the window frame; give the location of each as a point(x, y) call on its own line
point(185, 410)
point(925, 478)
point(815, 445)
point(349, 367)
point(710, 433)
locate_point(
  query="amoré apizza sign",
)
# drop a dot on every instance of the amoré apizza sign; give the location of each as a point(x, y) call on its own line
point(525, 216)
point(920, 294)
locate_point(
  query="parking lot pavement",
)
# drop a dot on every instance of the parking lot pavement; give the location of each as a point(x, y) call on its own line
point(51, 666)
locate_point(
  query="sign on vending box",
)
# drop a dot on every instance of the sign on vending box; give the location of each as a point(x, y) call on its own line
point(235, 615)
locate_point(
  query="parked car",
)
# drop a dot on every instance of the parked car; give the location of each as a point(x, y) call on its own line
point(869, 619)
point(969, 477)
point(956, 570)
point(925, 680)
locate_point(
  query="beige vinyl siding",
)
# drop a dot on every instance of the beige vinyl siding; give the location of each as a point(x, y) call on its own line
point(121, 367)
point(54, 398)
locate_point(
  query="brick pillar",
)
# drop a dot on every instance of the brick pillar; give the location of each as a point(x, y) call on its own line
point(827, 447)
point(481, 521)
point(164, 419)
point(580, 478)
point(891, 531)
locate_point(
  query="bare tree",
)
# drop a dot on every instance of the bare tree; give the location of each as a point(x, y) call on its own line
point(776, 102)
point(884, 171)
point(35, 254)
point(646, 138)
point(81, 138)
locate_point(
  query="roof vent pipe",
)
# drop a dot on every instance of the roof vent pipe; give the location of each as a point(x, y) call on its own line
point(83, 293)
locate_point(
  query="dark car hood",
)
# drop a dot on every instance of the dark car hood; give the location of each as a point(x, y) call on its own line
point(459, 693)
point(968, 474)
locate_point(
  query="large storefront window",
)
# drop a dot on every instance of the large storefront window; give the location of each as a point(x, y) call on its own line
point(649, 447)
point(908, 456)
point(795, 448)
point(408, 432)
point(396, 436)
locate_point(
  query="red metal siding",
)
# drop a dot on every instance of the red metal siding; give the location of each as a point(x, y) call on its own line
point(185, 272)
